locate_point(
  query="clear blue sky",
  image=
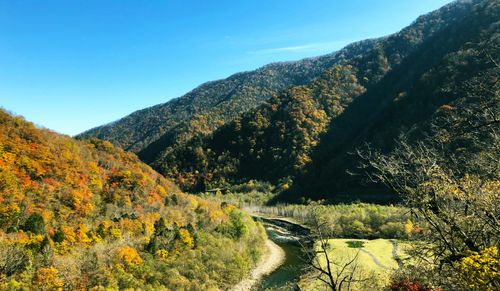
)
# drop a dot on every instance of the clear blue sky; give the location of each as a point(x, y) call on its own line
point(73, 65)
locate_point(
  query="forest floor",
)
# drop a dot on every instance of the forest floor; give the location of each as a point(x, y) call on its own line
point(270, 261)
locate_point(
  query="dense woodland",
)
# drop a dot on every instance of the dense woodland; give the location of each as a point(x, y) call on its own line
point(79, 215)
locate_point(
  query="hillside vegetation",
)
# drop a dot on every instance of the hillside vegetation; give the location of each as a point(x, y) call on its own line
point(85, 214)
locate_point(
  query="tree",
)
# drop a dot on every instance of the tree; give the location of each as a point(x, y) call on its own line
point(335, 273)
point(128, 255)
point(47, 278)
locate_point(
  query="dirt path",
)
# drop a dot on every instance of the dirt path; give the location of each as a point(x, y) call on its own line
point(374, 259)
point(395, 254)
point(270, 261)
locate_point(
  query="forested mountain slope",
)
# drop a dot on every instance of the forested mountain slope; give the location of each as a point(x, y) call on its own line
point(275, 141)
point(85, 214)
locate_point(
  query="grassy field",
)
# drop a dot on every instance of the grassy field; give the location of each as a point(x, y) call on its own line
point(375, 260)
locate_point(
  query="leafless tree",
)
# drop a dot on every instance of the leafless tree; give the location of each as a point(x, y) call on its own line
point(337, 274)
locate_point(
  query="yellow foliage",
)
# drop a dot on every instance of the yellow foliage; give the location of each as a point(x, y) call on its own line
point(193, 203)
point(115, 233)
point(161, 190)
point(129, 256)
point(22, 237)
point(161, 254)
point(69, 234)
point(47, 279)
point(81, 234)
point(409, 227)
point(285, 186)
point(86, 208)
point(186, 237)
point(229, 208)
point(217, 216)
point(35, 238)
point(480, 268)
point(47, 215)
point(9, 212)
point(133, 226)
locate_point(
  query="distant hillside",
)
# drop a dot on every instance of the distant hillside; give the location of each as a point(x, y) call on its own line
point(208, 106)
point(275, 141)
point(84, 214)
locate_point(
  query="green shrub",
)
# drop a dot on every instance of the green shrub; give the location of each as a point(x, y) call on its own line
point(355, 244)
point(34, 224)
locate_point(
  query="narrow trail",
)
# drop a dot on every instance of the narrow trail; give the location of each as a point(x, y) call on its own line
point(374, 259)
point(270, 261)
point(395, 254)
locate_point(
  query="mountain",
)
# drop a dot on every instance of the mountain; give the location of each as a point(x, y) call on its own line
point(85, 214)
point(369, 92)
point(275, 140)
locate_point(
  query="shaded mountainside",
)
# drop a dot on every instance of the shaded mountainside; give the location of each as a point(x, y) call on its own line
point(275, 141)
point(434, 79)
point(86, 214)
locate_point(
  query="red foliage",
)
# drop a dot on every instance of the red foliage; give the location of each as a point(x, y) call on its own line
point(410, 285)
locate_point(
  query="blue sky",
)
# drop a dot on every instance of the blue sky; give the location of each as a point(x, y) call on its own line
point(73, 65)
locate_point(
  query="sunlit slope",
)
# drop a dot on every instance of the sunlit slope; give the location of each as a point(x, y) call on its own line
point(85, 214)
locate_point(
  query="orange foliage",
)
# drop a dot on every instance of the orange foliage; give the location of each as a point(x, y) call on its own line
point(129, 256)
point(47, 279)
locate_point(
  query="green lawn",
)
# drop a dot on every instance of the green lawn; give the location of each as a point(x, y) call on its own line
point(375, 260)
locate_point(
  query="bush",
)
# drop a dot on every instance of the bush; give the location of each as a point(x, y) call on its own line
point(355, 244)
point(409, 285)
point(34, 224)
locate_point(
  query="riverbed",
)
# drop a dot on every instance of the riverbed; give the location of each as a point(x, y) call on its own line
point(287, 236)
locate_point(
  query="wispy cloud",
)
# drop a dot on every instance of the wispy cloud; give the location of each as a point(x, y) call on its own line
point(310, 47)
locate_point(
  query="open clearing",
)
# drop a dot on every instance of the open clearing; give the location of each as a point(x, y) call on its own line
point(377, 259)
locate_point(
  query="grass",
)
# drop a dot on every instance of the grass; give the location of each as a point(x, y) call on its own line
point(375, 260)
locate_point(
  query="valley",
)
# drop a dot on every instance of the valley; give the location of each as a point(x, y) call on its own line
point(373, 167)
